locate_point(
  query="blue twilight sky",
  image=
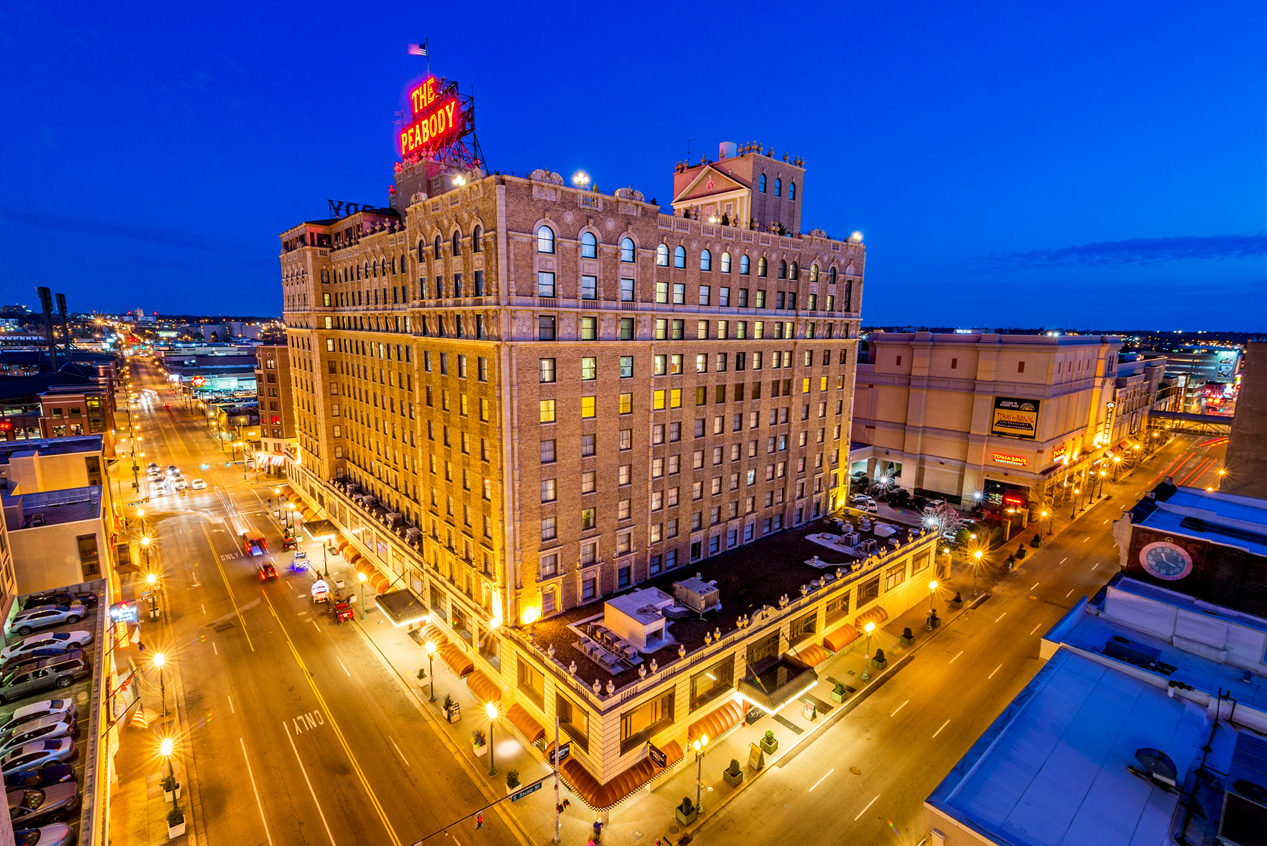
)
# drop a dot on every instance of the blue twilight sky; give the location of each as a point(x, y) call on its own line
point(1079, 164)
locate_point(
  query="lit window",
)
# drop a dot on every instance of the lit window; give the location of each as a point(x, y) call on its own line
point(627, 250)
point(662, 255)
point(705, 260)
point(545, 239)
point(547, 411)
point(725, 262)
point(589, 245)
point(589, 369)
point(587, 407)
point(679, 257)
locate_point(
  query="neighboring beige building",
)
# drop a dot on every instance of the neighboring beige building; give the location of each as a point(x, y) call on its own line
point(992, 418)
point(276, 408)
point(58, 538)
point(519, 398)
point(56, 464)
point(743, 188)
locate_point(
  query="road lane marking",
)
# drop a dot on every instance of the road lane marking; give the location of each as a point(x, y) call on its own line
point(864, 810)
point(258, 803)
point(304, 770)
point(347, 749)
point(1087, 538)
point(1063, 560)
point(213, 647)
point(820, 781)
point(1035, 585)
point(1097, 564)
point(203, 607)
point(943, 725)
point(1071, 590)
point(314, 623)
point(899, 708)
point(228, 589)
point(1104, 522)
point(1001, 616)
point(1031, 631)
point(232, 710)
point(996, 669)
point(952, 660)
point(402, 754)
point(345, 669)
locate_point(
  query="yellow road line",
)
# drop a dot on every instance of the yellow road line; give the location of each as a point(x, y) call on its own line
point(225, 577)
point(382, 815)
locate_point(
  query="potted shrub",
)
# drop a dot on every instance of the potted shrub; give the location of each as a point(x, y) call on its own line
point(171, 788)
point(957, 602)
point(687, 812)
point(175, 822)
point(479, 742)
point(451, 711)
point(907, 638)
point(878, 660)
point(838, 693)
point(512, 781)
point(733, 774)
point(422, 675)
point(769, 744)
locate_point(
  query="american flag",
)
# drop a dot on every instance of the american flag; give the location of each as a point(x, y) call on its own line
point(418, 49)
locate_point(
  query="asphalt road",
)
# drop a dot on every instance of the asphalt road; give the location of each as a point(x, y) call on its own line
point(865, 778)
point(299, 732)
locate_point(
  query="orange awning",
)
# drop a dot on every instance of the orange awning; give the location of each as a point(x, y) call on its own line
point(456, 659)
point(380, 583)
point(484, 688)
point(365, 567)
point(713, 724)
point(876, 615)
point(433, 635)
point(603, 796)
point(341, 543)
point(352, 556)
point(522, 720)
point(812, 654)
point(842, 637)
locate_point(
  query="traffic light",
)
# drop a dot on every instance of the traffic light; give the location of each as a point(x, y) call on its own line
point(479, 821)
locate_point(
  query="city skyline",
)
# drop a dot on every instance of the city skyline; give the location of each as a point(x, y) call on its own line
point(1069, 172)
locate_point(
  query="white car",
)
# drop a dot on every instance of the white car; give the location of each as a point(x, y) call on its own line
point(198, 485)
point(59, 641)
point(158, 487)
point(49, 728)
point(181, 484)
point(37, 754)
point(45, 616)
point(63, 709)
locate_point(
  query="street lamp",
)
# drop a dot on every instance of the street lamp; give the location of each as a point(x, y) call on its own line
point(491, 710)
point(140, 515)
point(581, 179)
point(325, 561)
point(291, 507)
point(976, 566)
point(1074, 512)
point(159, 659)
point(701, 744)
point(932, 613)
point(1044, 517)
point(362, 578)
point(166, 749)
point(145, 545)
point(431, 668)
point(1117, 463)
point(866, 656)
point(1103, 474)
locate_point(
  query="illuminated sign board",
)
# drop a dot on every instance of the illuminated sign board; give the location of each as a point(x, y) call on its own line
point(197, 381)
point(1009, 460)
point(437, 118)
point(1015, 418)
point(1059, 452)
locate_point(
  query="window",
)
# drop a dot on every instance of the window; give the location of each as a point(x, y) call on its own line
point(725, 262)
point(778, 187)
point(869, 591)
point(589, 287)
point(547, 411)
point(626, 366)
point(589, 245)
point(626, 290)
point(545, 284)
point(803, 627)
point(531, 682)
point(547, 452)
point(705, 260)
point(662, 255)
point(624, 474)
point(476, 247)
point(705, 294)
point(627, 250)
point(1020, 367)
point(589, 328)
point(547, 370)
point(743, 265)
point(573, 720)
point(587, 519)
point(549, 490)
point(626, 328)
point(626, 403)
point(679, 293)
point(782, 269)
point(587, 445)
point(679, 257)
point(548, 529)
point(662, 292)
point(638, 725)
point(589, 554)
point(549, 566)
point(626, 438)
point(894, 576)
point(761, 184)
point(589, 369)
point(761, 267)
point(545, 239)
point(545, 327)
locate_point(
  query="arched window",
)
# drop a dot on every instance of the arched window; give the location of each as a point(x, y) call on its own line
point(761, 268)
point(589, 245)
point(782, 269)
point(796, 270)
point(365, 268)
point(477, 237)
point(761, 184)
point(791, 190)
point(743, 265)
point(627, 250)
point(705, 260)
point(831, 276)
point(679, 257)
point(422, 251)
point(662, 255)
point(402, 263)
point(545, 239)
point(435, 248)
point(457, 243)
point(778, 187)
point(725, 262)
point(813, 272)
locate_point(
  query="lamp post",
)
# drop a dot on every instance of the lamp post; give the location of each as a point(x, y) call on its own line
point(145, 545)
point(431, 668)
point(932, 612)
point(140, 515)
point(976, 566)
point(1044, 516)
point(159, 660)
point(1007, 532)
point(866, 656)
point(491, 710)
point(1103, 475)
point(166, 749)
point(1074, 512)
point(1117, 464)
point(1222, 473)
point(362, 578)
point(290, 506)
point(325, 560)
point(701, 744)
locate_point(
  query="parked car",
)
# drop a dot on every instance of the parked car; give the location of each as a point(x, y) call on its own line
point(52, 804)
point(59, 642)
point(44, 617)
point(88, 599)
point(63, 708)
point(55, 834)
point(54, 773)
point(198, 485)
point(23, 662)
point(859, 498)
point(933, 504)
point(37, 754)
point(60, 671)
point(48, 728)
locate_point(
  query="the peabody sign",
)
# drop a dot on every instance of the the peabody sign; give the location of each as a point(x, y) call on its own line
point(437, 117)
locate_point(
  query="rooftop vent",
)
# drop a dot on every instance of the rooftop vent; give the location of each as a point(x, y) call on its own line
point(698, 595)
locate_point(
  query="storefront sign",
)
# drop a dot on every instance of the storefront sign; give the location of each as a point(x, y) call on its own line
point(1057, 453)
point(1009, 460)
point(657, 756)
point(437, 118)
point(1015, 418)
point(197, 381)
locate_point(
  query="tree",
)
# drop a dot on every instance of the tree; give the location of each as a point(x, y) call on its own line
point(945, 518)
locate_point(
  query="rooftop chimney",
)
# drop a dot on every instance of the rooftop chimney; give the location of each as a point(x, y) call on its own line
point(46, 305)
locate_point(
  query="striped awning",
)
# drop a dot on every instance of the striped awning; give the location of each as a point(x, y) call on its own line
point(600, 797)
point(876, 615)
point(713, 724)
point(270, 459)
point(457, 660)
point(522, 720)
point(811, 654)
point(840, 638)
point(483, 687)
point(432, 635)
point(379, 582)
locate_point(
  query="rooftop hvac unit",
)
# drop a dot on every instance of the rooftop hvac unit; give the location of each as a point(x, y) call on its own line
point(392, 518)
point(698, 595)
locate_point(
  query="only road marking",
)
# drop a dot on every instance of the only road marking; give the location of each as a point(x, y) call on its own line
point(943, 725)
point(864, 810)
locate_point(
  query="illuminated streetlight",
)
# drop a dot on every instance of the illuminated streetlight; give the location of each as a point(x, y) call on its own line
point(581, 179)
point(459, 180)
point(866, 655)
point(431, 668)
point(701, 745)
point(491, 710)
point(159, 660)
point(976, 566)
point(932, 613)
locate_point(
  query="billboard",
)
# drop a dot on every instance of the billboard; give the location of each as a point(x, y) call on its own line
point(1015, 418)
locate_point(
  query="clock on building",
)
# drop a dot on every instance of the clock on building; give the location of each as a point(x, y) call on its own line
point(1165, 560)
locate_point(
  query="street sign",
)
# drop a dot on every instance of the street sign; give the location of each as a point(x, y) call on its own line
point(657, 756)
point(562, 752)
point(519, 794)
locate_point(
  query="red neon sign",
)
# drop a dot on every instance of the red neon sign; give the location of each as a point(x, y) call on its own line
point(436, 118)
point(6, 426)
